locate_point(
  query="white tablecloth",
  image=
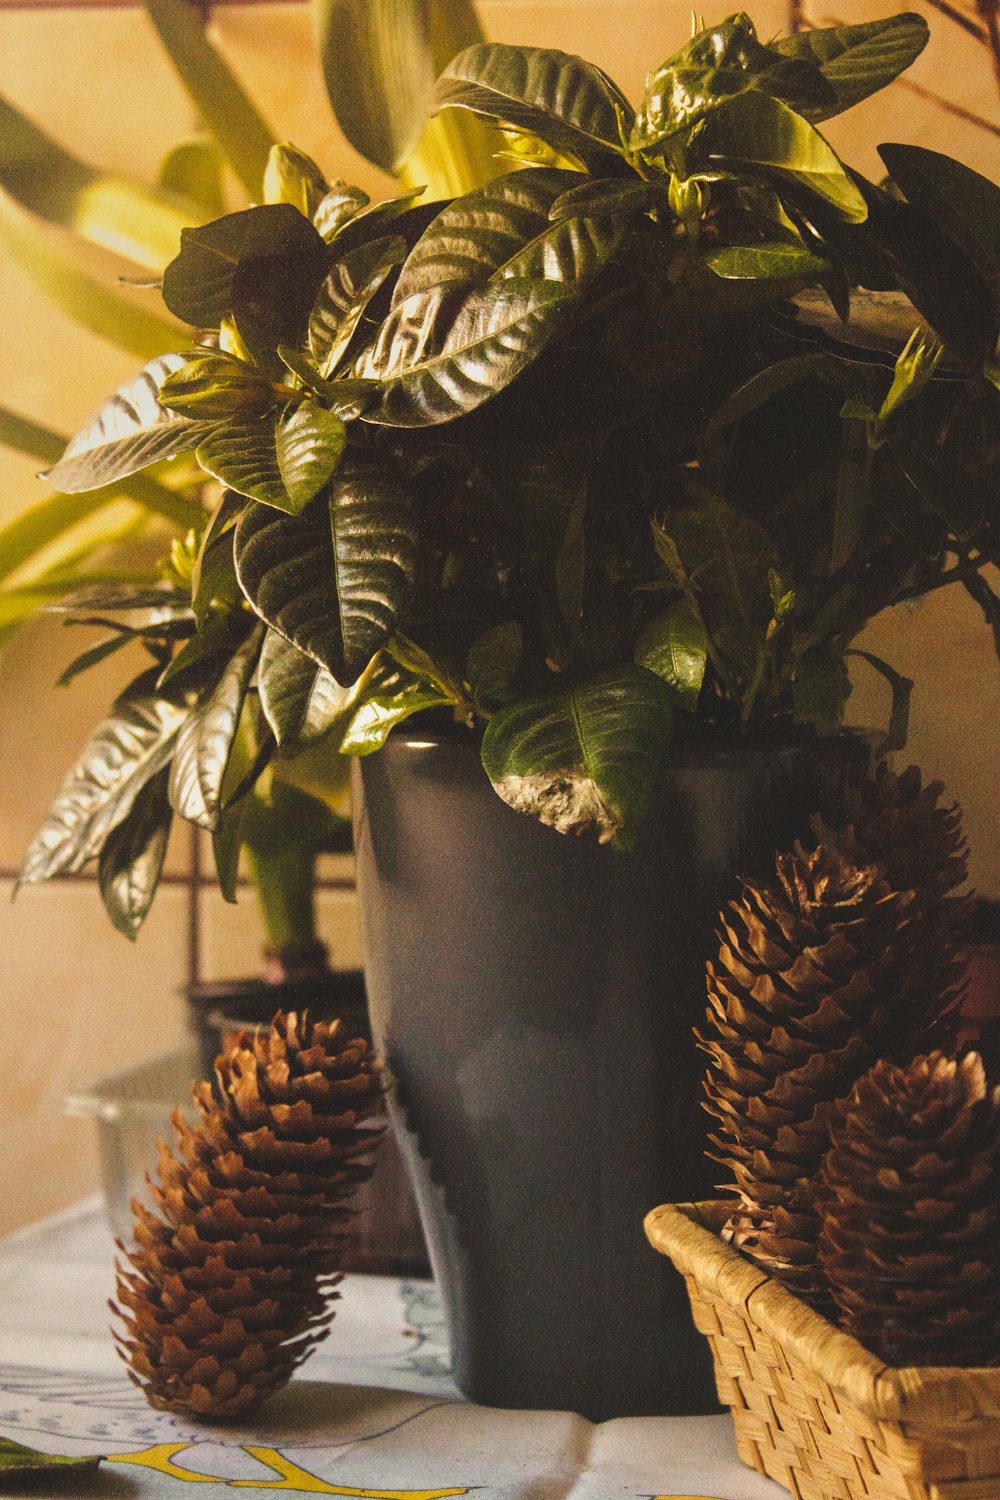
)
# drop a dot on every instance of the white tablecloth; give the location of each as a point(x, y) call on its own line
point(373, 1412)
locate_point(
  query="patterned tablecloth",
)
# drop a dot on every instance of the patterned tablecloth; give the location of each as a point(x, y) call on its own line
point(374, 1412)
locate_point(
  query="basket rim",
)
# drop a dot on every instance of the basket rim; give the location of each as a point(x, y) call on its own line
point(943, 1394)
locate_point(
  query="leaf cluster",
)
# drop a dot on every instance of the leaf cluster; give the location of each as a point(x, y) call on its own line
point(600, 452)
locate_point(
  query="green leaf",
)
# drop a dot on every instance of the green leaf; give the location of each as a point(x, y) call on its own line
point(902, 690)
point(293, 177)
point(380, 58)
point(94, 655)
point(764, 386)
point(504, 230)
point(820, 690)
point(117, 213)
point(264, 262)
point(609, 196)
point(128, 432)
point(957, 503)
point(206, 740)
point(123, 753)
point(493, 660)
point(227, 846)
point(963, 204)
point(674, 645)
point(773, 262)
point(388, 697)
point(347, 289)
point(446, 350)
point(193, 168)
point(857, 60)
point(19, 1462)
point(717, 65)
point(301, 700)
point(233, 119)
point(567, 102)
point(131, 861)
point(755, 132)
point(341, 205)
point(937, 276)
point(584, 759)
point(57, 272)
point(282, 459)
point(215, 386)
point(333, 579)
point(728, 556)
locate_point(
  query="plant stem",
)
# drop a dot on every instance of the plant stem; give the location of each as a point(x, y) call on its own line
point(989, 13)
point(853, 484)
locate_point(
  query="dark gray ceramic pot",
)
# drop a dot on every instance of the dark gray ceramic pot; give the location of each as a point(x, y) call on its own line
point(534, 996)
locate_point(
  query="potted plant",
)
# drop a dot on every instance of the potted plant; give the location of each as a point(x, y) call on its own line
point(599, 468)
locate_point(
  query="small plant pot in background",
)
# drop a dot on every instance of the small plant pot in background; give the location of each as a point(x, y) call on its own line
point(387, 1237)
point(812, 1408)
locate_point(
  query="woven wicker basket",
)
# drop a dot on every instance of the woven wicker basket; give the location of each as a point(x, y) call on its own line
point(811, 1407)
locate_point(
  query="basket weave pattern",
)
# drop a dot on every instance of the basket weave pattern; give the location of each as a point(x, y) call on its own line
point(811, 1407)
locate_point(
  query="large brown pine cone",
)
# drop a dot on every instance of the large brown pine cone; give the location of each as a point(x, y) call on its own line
point(817, 976)
point(232, 1281)
point(910, 1195)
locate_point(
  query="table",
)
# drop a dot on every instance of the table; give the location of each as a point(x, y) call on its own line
point(373, 1412)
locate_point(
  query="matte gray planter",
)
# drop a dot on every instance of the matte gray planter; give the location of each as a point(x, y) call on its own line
point(534, 996)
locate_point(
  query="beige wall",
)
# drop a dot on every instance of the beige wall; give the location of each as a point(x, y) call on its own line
point(78, 1000)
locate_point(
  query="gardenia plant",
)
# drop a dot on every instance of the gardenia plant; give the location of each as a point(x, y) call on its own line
point(617, 448)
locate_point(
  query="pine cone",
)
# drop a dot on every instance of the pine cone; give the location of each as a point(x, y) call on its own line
point(816, 978)
point(910, 1193)
point(231, 1282)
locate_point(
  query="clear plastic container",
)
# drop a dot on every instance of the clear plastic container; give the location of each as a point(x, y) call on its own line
point(132, 1110)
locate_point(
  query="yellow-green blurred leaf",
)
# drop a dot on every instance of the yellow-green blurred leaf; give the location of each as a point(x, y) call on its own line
point(101, 309)
point(222, 102)
point(194, 168)
point(142, 223)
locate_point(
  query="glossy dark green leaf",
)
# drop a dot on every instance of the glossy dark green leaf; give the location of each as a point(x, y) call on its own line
point(390, 696)
point(333, 579)
point(293, 177)
point(154, 604)
point(567, 102)
point(123, 753)
point(206, 740)
point(301, 700)
point(214, 387)
point(347, 289)
point(131, 861)
point(18, 1462)
point(674, 645)
point(608, 196)
point(963, 204)
point(754, 132)
point(935, 273)
point(774, 262)
point(282, 459)
point(901, 687)
point(341, 204)
point(446, 350)
point(716, 65)
point(241, 261)
point(215, 91)
point(504, 229)
point(128, 432)
point(856, 60)
point(584, 759)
